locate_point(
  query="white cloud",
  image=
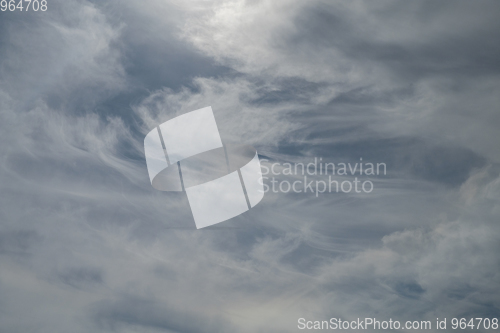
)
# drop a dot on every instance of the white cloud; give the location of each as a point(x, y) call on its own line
point(86, 244)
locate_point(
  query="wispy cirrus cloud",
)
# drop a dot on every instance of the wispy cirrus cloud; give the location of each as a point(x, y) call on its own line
point(87, 244)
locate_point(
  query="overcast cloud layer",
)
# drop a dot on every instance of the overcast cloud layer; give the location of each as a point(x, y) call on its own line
point(87, 245)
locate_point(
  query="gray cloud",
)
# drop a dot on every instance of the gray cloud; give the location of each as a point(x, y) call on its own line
point(86, 244)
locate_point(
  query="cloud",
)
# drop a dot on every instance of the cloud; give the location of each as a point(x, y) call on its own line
point(86, 244)
point(65, 56)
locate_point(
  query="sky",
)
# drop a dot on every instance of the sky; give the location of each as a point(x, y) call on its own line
point(88, 245)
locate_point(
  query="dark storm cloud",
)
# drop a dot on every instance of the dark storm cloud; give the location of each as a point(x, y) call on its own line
point(463, 48)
